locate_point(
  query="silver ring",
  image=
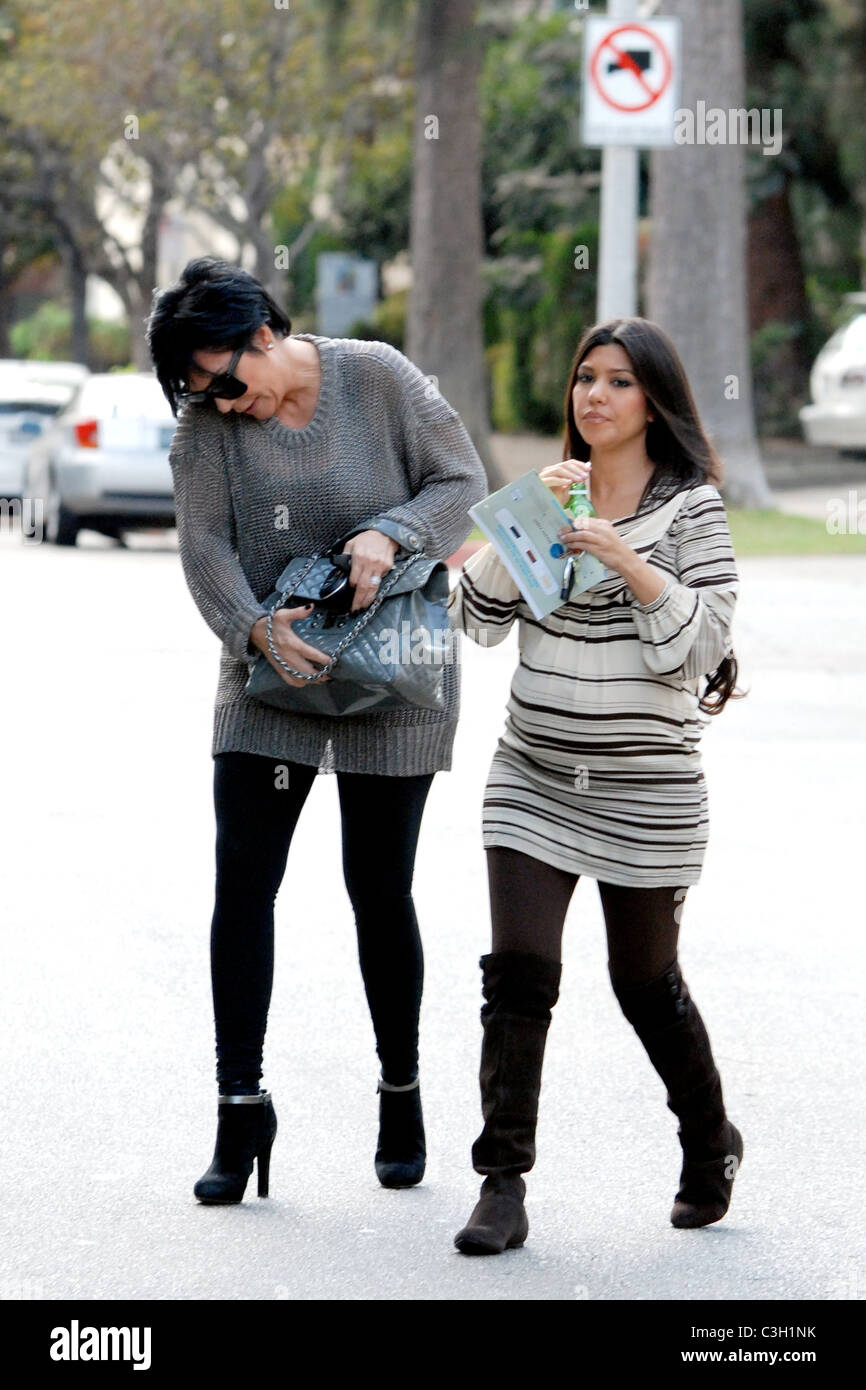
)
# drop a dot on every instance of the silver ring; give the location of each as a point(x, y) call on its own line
point(375, 579)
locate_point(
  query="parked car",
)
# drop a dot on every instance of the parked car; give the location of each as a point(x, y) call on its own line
point(68, 374)
point(26, 410)
point(104, 463)
point(838, 386)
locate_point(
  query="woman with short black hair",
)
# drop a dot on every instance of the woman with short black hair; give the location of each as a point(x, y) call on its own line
point(598, 771)
point(286, 442)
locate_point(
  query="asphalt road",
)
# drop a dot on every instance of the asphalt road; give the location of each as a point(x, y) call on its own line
point(107, 1063)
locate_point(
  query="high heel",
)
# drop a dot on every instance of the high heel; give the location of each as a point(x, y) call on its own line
point(401, 1154)
point(246, 1127)
point(263, 1169)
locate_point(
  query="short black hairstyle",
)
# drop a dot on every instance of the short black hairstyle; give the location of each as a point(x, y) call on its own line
point(213, 306)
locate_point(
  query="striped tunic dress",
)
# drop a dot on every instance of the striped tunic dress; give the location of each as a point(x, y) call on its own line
point(598, 769)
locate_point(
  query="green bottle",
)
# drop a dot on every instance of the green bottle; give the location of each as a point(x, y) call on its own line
point(578, 503)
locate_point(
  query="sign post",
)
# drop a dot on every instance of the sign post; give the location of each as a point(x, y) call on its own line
point(630, 91)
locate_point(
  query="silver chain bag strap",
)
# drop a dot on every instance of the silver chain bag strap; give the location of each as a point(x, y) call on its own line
point(389, 655)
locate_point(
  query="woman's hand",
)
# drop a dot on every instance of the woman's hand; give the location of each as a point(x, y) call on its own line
point(601, 539)
point(372, 557)
point(560, 476)
point(588, 533)
point(289, 646)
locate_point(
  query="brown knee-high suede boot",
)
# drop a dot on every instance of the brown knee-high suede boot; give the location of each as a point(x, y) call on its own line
point(665, 1018)
point(520, 989)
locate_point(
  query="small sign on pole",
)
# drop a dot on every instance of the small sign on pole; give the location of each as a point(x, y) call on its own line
point(345, 291)
point(631, 81)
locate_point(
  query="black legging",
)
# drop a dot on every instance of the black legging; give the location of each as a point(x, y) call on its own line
point(256, 817)
point(529, 900)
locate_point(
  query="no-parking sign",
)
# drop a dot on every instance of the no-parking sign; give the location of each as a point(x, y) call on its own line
point(631, 81)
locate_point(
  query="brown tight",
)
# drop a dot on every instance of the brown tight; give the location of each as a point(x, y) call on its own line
point(529, 900)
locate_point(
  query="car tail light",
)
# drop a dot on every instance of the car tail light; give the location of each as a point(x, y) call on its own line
point(854, 376)
point(87, 433)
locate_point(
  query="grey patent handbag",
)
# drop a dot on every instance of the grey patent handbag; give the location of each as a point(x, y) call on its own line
point(389, 655)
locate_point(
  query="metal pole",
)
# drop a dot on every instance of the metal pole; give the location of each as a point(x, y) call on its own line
point(617, 268)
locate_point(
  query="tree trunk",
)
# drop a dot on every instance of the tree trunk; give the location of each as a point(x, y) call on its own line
point(74, 258)
point(138, 307)
point(5, 340)
point(5, 305)
point(777, 294)
point(76, 275)
point(697, 265)
point(777, 288)
point(141, 287)
point(444, 330)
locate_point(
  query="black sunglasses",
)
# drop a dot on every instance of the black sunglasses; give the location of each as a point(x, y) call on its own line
point(225, 385)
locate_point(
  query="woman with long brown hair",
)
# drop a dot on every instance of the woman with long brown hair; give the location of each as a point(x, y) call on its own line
point(598, 770)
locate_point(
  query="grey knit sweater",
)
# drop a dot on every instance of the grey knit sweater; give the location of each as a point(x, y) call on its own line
point(383, 450)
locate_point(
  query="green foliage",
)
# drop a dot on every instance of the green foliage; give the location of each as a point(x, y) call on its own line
point(758, 532)
point(237, 101)
point(771, 349)
point(389, 318)
point(540, 204)
point(808, 58)
point(387, 324)
point(539, 306)
point(110, 345)
point(535, 166)
point(46, 336)
point(374, 207)
point(504, 407)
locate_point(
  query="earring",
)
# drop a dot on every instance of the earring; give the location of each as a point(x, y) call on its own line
point(270, 345)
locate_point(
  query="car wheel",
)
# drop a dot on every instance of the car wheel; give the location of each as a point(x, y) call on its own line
point(61, 525)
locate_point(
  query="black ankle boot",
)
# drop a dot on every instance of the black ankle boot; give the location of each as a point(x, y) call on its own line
point(246, 1126)
point(665, 1018)
point(401, 1153)
point(520, 990)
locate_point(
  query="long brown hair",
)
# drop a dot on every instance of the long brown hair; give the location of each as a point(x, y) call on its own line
point(675, 440)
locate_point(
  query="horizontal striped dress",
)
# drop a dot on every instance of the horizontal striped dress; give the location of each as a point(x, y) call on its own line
point(598, 769)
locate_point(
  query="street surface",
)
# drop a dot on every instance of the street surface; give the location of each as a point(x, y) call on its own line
point(106, 838)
